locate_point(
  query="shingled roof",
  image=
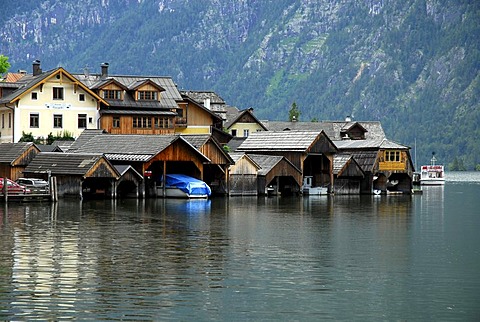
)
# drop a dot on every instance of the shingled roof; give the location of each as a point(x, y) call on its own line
point(10, 152)
point(333, 129)
point(369, 144)
point(65, 163)
point(129, 147)
point(268, 162)
point(294, 141)
point(168, 97)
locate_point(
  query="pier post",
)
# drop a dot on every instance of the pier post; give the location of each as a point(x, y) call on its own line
point(5, 189)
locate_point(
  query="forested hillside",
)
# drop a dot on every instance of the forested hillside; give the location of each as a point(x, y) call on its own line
point(413, 64)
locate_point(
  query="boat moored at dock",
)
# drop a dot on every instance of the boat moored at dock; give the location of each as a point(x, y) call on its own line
point(433, 174)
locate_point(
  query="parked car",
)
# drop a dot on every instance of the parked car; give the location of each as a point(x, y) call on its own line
point(14, 188)
point(33, 183)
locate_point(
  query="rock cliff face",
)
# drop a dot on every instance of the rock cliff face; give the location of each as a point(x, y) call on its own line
point(412, 64)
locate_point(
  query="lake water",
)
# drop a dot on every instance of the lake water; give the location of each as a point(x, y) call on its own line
point(233, 259)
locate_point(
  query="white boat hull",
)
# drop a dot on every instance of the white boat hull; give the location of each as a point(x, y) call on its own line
point(432, 182)
point(177, 193)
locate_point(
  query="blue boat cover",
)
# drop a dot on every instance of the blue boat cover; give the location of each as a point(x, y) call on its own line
point(188, 184)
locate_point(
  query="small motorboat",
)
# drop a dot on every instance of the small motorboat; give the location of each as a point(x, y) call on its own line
point(183, 186)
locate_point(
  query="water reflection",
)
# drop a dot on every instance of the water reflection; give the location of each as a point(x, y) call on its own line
point(245, 258)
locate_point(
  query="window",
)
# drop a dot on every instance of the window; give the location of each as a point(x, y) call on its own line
point(90, 120)
point(245, 133)
point(57, 120)
point(82, 121)
point(3, 121)
point(81, 97)
point(58, 93)
point(147, 95)
point(112, 94)
point(142, 122)
point(234, 132)
point(392, 156)
point(116, 121)
point(34, 117)
point(34, 96)
point(163, 123)
point(9, 120)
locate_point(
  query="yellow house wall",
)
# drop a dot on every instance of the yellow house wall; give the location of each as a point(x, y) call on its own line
point(241, 127)
point(46, 107)
point(193, 130)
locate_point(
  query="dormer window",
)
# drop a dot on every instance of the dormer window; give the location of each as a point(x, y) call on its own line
point(112, 94)
point(147, 95)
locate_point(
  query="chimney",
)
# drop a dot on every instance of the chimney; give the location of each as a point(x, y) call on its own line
point(206, 103)
point(104, 70)
point(36, 68)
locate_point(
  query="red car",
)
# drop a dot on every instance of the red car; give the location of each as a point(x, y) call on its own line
point(13, 187)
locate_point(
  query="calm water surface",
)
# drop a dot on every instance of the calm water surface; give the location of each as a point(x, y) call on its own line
point(301, 258)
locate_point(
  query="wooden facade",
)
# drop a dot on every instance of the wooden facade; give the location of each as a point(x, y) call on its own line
point(243, 176)
point(15, 157)
point(77, 175)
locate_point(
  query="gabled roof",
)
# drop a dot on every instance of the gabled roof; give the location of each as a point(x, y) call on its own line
point(268, 162)
point(10, 152)
point(294, 141)
point(333, 129)
point(344, 163)
point(237, 156)
point(107, 81)
point(202, 107)
point(130, 147)
point(199, 140)
point(202, 96)
point(67, 163)
point(30, 82)
point(124, 168)
point(139, 83)
point(369, 144)
point(365, 159)
point(83, 138)
point(13, 77)
point(233, 119)
point(168, 97)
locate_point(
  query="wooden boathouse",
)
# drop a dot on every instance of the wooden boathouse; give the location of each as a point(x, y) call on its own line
point(15, 157)
point(310, 151)
point(152, 156)
point(75, 174)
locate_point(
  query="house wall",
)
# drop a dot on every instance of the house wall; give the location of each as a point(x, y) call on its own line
point(126, 126)
point(243, 178)
point(69, 107)
point(198, 121)
point(6, 125)
point(241, 127)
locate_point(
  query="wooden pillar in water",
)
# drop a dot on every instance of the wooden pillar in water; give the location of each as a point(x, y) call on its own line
point(5, 189)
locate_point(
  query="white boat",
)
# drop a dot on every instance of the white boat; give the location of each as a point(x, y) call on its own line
point(183, 186)
point(433, 174)
point(307, 188)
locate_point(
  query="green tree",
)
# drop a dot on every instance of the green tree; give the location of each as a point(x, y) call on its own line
point(4, 64)
point(294, 113)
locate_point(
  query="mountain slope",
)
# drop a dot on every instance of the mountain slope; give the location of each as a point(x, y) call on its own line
point(414, 64)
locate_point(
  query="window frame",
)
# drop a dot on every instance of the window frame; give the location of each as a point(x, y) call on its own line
point(58, 93)
point(57, 118)
point(82, 120)
point(34, 120)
